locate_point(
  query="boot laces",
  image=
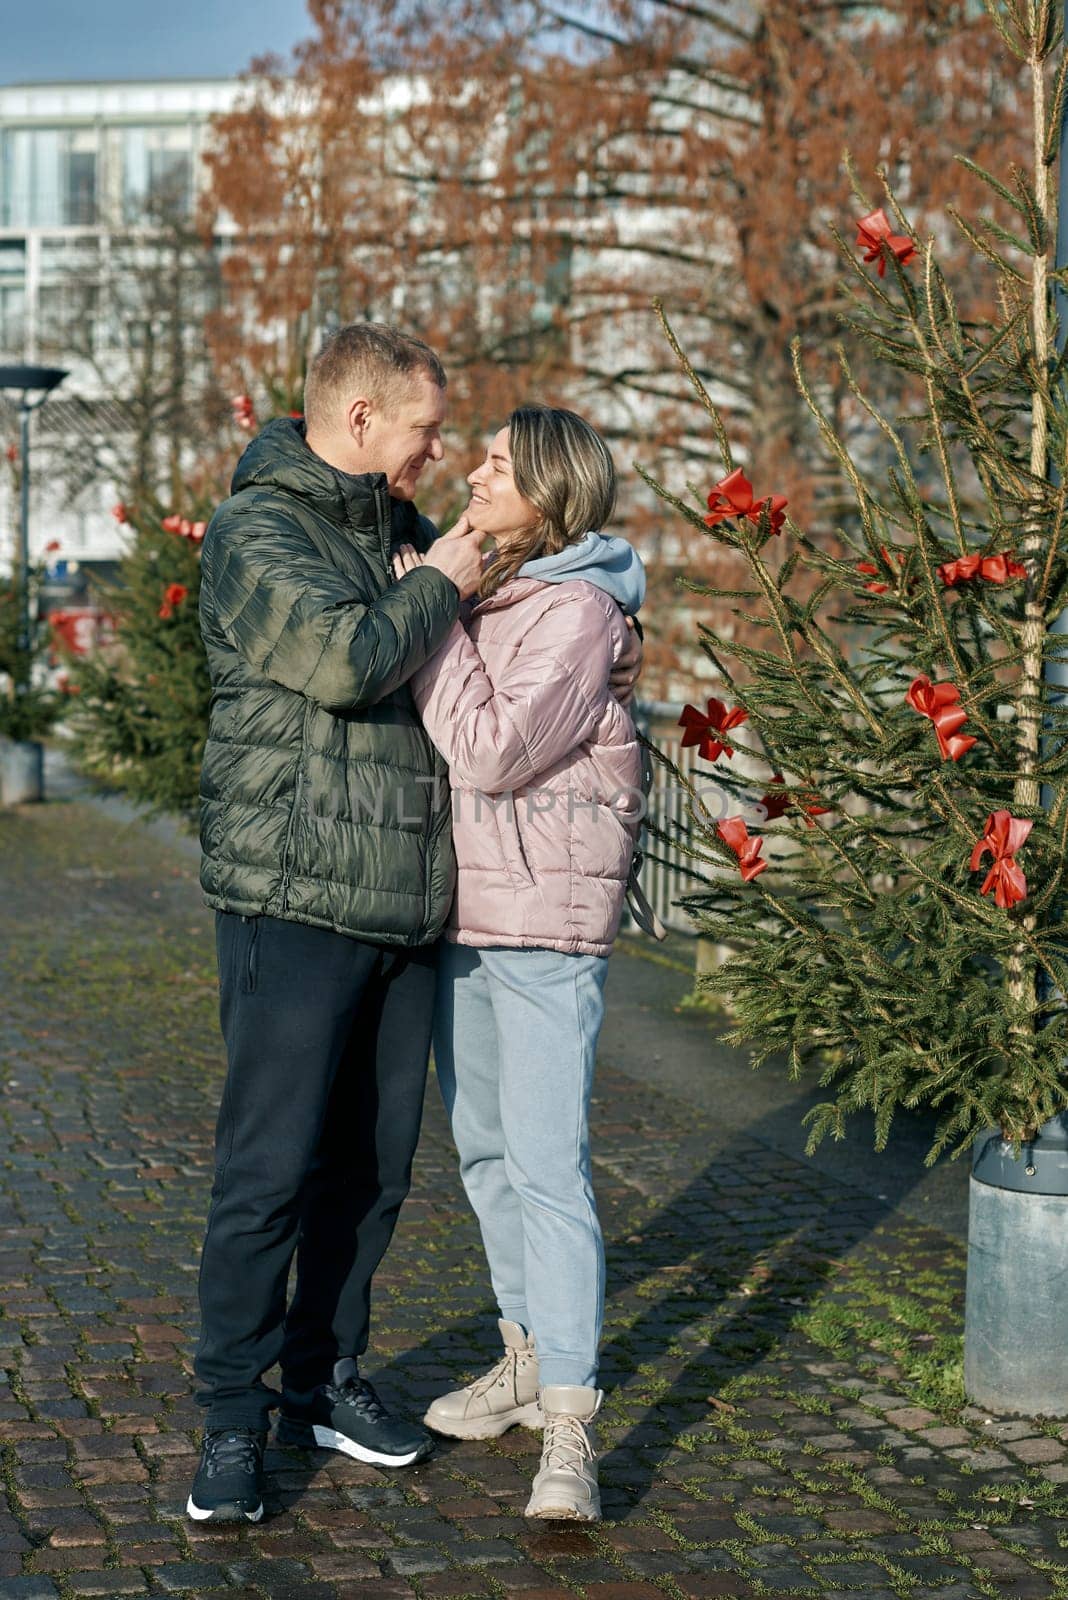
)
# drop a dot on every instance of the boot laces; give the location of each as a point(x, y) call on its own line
point(227, 1452)
point(503, 1372)
point(567, 1445)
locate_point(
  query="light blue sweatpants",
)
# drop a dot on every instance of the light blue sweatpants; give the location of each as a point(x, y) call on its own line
point(515, 1038)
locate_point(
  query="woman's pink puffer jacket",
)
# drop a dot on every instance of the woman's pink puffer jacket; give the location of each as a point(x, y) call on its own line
point(544, 765)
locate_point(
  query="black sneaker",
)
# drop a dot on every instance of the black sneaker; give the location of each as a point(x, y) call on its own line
point(229, 1480)
point(350, 1417)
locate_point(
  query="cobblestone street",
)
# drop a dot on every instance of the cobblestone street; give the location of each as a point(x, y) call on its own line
point(781, 1358)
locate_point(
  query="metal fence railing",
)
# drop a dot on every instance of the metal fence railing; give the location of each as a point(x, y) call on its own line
point(662, 884)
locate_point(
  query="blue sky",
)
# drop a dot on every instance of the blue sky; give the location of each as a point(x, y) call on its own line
point(79, 39)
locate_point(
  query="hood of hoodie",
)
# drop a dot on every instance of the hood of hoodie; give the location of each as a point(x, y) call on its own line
point(604, 560)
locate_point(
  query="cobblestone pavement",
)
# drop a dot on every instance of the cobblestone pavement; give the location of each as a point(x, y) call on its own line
point(781, 1352)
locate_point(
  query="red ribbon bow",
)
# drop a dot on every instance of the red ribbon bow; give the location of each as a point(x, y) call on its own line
point(120, 513)
point(702, 727)
point(244, 412)
point(746, 846)
point(173, 595)
point(732, 496)
point(995, 569)
point(868, 568)
point(940, 702)
point(193, 531)
point(1003, 836)
point(776, 805)
point(873, 231)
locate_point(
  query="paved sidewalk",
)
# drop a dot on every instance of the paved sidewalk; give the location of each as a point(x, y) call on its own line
point(781, 1347)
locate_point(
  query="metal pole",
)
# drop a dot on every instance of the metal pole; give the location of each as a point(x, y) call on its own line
point(1055, 672)
point(22, 659)
point(1016, 1299)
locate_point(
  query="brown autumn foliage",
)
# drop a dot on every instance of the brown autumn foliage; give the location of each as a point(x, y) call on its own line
point(516, 182)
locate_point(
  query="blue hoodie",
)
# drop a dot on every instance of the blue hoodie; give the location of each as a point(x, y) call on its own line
point(602, 559)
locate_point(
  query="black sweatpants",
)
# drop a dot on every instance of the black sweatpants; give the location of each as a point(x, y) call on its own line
point(327, 1040)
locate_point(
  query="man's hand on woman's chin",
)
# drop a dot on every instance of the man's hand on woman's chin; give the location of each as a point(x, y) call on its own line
point(624, 676)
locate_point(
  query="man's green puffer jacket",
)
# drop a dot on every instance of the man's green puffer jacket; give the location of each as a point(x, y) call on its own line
point(322, 799)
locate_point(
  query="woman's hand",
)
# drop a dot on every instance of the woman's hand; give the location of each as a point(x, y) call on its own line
point(406, 559)
point(624, 675)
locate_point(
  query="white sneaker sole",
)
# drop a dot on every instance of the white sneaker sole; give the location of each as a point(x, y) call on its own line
point(330, 1439)
point(552, 1513)
point(528, 1416)
point(232, 1513)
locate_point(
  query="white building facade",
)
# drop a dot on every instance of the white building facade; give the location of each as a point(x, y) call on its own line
point(80, 163)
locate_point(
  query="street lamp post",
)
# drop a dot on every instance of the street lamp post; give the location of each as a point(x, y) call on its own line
point(33, 385)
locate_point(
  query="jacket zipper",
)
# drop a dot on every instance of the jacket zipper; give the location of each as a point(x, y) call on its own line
point(385, 530)
point(385, 526)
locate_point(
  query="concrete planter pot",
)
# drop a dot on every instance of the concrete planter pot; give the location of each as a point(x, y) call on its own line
point(1016, 1310)
point(21, 772)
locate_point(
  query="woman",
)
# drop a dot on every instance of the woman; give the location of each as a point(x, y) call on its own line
point(545, 770)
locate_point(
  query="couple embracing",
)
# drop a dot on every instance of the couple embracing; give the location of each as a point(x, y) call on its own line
point(410, 735)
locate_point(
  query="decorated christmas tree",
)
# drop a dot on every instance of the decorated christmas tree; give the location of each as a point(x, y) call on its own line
point(140, 703)
point(893, 890)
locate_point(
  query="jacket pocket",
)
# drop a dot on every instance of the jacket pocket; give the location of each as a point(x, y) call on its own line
point(513, 855)
point(249, 969)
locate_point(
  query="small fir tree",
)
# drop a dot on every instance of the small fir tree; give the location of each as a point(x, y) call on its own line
point(140, 707)
point(29, 706)
point(140, 703)
point(910, 933)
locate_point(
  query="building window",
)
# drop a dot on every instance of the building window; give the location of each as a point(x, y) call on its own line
point(81, 187)
point(12, 319)
point(157, 173)
point(48, 177)
point(12, 259)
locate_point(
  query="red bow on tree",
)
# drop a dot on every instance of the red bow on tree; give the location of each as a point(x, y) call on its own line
point(873, 231)
point(244, 412)
point(746, 846)
point(940, 702)
point(702, 726)
point(1004, 835)
point(995, 569)
point(119, 512)
point(193, 531)
point(777, 805)
point(732, 496)
point(173, 595)
point(868, 568)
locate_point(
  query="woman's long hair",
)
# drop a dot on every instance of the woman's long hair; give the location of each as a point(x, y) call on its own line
point(564, 468)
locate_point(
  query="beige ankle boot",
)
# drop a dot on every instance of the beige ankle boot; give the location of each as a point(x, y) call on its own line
point(505, 1395)
point(566, 1484)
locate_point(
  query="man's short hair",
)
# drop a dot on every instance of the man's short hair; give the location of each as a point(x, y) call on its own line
point(369, 358)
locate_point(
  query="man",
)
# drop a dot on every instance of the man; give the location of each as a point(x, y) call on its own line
point(328, 859)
